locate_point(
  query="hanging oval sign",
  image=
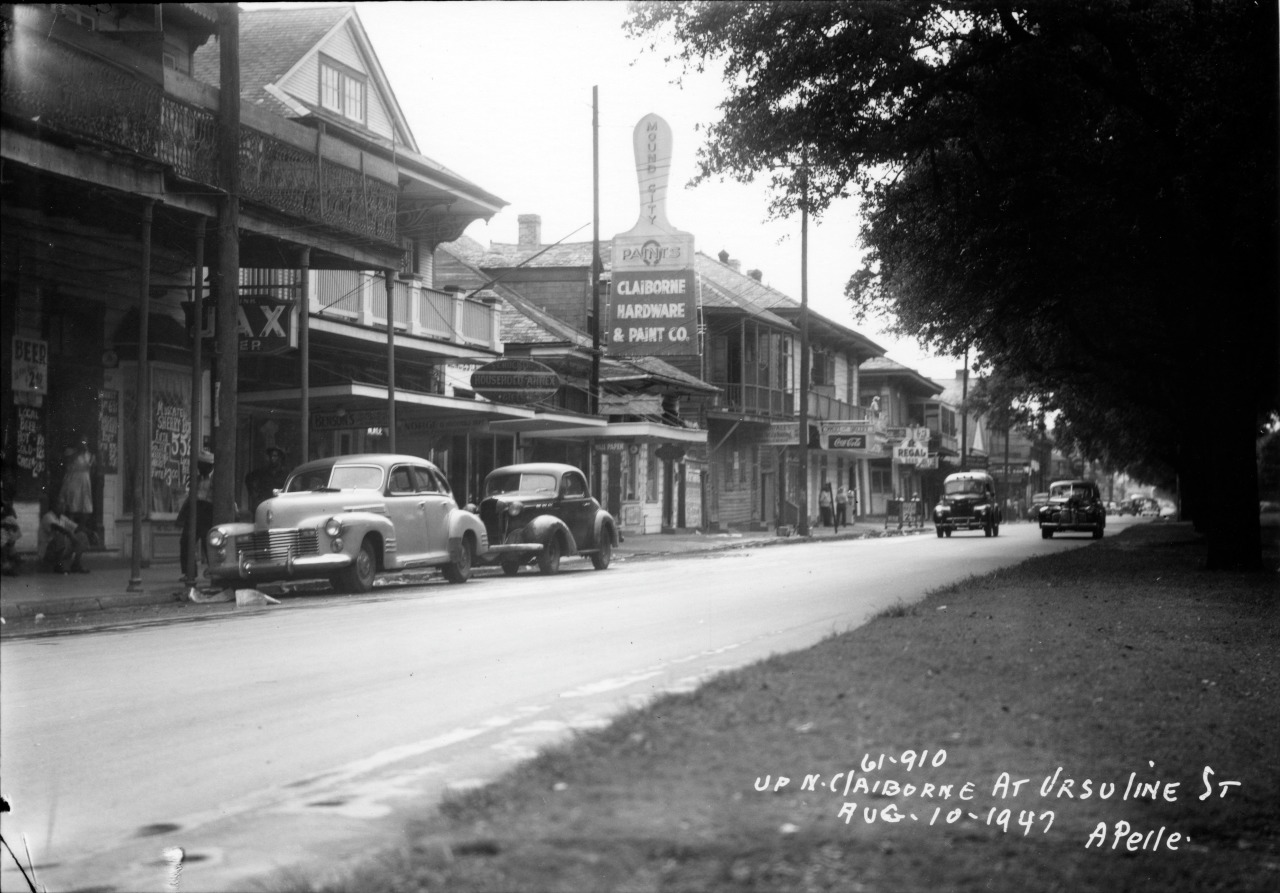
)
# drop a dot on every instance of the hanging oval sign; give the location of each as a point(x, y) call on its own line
point(516, 381)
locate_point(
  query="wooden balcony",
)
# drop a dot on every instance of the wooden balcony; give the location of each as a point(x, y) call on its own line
point(74, 87)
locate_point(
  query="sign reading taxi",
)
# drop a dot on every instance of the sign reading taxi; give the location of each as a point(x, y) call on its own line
point(653, 305)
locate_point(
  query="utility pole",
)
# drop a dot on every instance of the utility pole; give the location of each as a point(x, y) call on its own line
point(227, 336)
point(803, 527)
point(197, 405)
point(595, 250)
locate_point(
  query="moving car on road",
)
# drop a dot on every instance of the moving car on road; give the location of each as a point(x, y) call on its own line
point(968, 503)
point(541, 511)
point(1073, 505)
point(347, 518)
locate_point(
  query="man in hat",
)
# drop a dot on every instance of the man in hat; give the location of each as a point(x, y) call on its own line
point(202, 517)
point(263, 482)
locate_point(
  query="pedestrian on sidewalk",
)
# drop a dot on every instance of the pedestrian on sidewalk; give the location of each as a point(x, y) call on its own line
point(824, 505)
point(76, 494)
point(66, 541)
point(202, 517)
point(261, 483)
point(842, 508)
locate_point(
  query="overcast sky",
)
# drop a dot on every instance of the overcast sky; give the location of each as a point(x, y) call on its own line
point(500, 92)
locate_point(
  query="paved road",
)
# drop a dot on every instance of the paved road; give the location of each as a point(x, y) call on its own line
point(304, 735)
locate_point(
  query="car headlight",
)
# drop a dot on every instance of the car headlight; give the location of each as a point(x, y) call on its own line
point(332, 527)
point(515, 508)
point(941, 509)
point(216, 538)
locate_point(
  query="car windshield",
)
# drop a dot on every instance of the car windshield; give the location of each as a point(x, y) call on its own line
point(1066, 491)
point(964, 488)
point(308, 480)
point(516, 482)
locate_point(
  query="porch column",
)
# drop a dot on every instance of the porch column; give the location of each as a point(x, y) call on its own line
point(197, 407)
point(142, 412)
point(391, 359)
point(304, 356)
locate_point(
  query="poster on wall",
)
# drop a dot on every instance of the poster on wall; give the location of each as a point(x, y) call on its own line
point(30, 448)
point(108, 431)
point(170, 438)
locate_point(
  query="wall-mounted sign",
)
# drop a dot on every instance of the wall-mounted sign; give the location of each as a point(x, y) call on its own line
point(905, 454)
point(653, 314)
point(30, 368)
point(781, 434)
point(516, 381)
point(265, 325)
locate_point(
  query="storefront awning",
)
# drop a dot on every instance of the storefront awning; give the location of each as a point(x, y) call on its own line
point(581, 426)
point(639, 432)
point(370, 401)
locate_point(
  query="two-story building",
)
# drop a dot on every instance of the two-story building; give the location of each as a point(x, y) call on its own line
point(116, 163)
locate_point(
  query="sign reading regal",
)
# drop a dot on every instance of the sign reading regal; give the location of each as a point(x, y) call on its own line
point(515, 381)
point(653, 308)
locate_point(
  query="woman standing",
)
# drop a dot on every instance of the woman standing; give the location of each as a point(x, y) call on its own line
point(76, 494)
point(824, 505)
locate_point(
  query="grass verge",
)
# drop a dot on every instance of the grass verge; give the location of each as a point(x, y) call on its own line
point(1036, 714)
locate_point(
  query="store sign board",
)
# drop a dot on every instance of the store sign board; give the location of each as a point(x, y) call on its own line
point(265, 325)
point(515, 381)
point(909, 454)
point(30, 368)
point(781, 434)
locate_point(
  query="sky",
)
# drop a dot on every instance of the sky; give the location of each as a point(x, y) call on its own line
point(501, 93)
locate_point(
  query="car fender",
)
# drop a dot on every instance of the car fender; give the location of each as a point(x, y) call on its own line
point(541, 529)
point(462, 521)
point(356, 525)
point(604, 527)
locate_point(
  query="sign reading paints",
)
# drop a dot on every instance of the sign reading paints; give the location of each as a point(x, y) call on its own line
point(653, 306)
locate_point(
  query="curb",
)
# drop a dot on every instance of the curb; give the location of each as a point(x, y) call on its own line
point(90, 603)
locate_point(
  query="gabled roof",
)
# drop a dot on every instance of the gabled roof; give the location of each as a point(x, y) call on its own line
point(883, 368)
point(274, 42)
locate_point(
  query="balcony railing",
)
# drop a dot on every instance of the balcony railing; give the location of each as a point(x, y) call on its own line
point(104, 97)
point(755, 399)
point(361, 298)
point(829, 409)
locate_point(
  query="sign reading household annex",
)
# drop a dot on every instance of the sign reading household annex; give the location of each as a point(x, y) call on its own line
point(653, 308)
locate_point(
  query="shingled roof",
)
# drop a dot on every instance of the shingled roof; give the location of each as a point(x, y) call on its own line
point(883, 367)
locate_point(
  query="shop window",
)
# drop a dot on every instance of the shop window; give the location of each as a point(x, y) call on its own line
point(881, 480)
point(631, 470)
point(651, 485)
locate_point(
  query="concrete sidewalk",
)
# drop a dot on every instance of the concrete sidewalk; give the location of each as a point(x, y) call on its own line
point(107, 585)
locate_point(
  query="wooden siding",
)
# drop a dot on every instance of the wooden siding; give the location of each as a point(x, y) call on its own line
point(341, 47)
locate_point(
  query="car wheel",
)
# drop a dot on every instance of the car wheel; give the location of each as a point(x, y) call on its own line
point(938, 531)
point(948, 534)
point(1097, 533)
point(549, 557)
point(995, 529)
point(1046, 533)
point(986, 530)
point(600, 560)
point(510, 568)
point(460, 571)
point(359, 576)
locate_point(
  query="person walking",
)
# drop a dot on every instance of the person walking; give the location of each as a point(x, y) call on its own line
point(201, 517)
point(842, 508)
point(824, 505)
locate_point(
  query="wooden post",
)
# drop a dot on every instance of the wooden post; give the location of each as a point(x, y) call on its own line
point(142, 412)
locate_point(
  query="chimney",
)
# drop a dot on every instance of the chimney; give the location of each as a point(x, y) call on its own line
point(755, 274)
point(724, 256)
point(530, 230)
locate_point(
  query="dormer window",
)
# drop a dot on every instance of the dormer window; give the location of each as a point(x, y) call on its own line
point(342, 90)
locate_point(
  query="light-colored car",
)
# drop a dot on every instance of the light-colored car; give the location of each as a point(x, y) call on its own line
point(346, 519)
point(541, 511)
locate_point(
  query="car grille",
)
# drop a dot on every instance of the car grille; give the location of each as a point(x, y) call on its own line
point(277, 545)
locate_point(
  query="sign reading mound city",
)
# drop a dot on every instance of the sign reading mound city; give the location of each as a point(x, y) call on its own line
point(653, 310)
point(515, 381)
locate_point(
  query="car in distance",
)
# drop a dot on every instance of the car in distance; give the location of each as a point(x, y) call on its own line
point(540, 512)
point(1037, 500)
point(1073, 506)
point(347, 518)
point(968, 503)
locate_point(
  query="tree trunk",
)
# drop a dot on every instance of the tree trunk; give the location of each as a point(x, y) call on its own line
point(1234, 535)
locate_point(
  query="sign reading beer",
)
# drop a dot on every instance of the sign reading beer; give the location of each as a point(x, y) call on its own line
point(653, 307)
point(516, 381)
point(30, 370)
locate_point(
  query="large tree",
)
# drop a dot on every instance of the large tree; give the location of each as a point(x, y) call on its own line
point(1080, 194)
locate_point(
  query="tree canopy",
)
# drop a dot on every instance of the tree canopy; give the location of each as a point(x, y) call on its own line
point(1082, 195)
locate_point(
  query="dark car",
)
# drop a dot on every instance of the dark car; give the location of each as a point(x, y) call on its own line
point(541, 511)
point(1073, 506)
point(968, 503)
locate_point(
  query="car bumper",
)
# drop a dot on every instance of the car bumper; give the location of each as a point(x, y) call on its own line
point(960, 523)
point(264, 570)
point(511, 550)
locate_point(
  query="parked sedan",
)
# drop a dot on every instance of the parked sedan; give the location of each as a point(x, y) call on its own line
point(541, 511)
point(1073, 505)
point(346, 519)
